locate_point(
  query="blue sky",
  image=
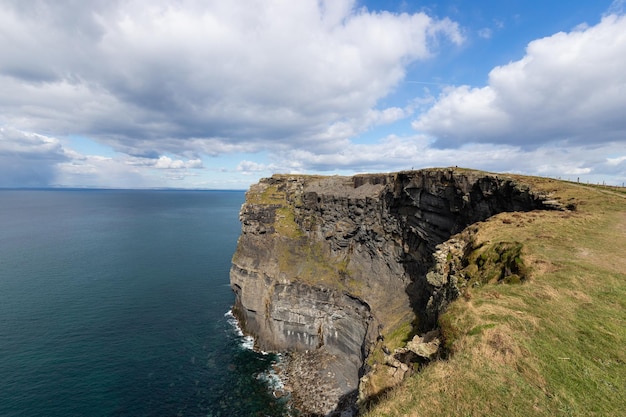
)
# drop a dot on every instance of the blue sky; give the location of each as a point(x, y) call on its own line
point(212, 94)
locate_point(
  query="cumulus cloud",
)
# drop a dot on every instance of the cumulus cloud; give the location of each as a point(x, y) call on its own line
point(251, 167)
point(568, 87)
point(98, 171)
point(28, 159)
point(413, 152)
point(616, 161)
point(33, 160)
point(191, 77)
point(167, 83)
point(165, 162)
point(124, 171)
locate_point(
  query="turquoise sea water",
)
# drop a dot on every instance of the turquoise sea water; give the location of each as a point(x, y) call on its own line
point(113, 303)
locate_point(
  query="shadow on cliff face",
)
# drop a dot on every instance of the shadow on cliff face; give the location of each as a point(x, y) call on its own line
point(419, 294)
point(432, 206)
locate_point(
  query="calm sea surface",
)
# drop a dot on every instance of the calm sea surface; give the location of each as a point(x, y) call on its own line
point(113, 303)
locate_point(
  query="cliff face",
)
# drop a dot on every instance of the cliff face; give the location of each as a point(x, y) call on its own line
point(324, 264)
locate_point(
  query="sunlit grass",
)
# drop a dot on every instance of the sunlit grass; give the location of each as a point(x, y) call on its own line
point(554, 345)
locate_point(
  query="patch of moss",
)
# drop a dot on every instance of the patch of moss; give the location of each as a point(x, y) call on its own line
point(310, 262)
point(499, 262)
point(401, 334)
point(395, 336)
point(285, 223)
point(268, 196)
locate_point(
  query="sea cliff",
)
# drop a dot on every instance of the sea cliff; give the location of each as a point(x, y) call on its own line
point(324, 265)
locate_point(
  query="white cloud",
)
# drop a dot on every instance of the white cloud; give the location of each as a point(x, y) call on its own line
point(616, 161)
point(485, 33)
point(386, 116)
point(569, 86)
point(15, 142)
point(165, 162)
point(617, 7)
point(34, 160)
point(399, 153)
point(98, 171)
point(189, 77)
point(124, 171)
point(28, 159)
point(165, 83)
point(251, 167)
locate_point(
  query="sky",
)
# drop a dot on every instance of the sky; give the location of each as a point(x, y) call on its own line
point(209, 94)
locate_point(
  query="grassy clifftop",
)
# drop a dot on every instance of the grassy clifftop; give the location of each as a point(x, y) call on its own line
point(554, 345)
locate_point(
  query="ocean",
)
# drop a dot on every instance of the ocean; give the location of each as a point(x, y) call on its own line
point(115, 303)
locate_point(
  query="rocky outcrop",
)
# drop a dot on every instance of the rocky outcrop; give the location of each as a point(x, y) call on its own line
point(419, 350)
point(324, 264)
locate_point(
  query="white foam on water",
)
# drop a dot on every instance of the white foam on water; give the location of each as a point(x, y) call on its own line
point(247, 341)
point(273, 379)
point(232, 320)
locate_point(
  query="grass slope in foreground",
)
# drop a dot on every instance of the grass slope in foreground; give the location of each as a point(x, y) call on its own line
point(554, 345)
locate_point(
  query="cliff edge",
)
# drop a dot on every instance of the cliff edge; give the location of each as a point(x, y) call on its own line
point(324, 265)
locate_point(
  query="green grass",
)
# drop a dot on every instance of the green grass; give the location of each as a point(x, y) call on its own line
point(265, 195)
point(554, 345)
point(394, 338)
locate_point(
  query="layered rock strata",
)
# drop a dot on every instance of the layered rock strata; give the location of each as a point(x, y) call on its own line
point(324, 264)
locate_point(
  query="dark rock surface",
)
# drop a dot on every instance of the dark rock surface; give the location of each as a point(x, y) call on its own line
point(324, 263)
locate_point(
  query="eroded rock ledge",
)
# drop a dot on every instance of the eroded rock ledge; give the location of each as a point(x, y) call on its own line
point(324, 264)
